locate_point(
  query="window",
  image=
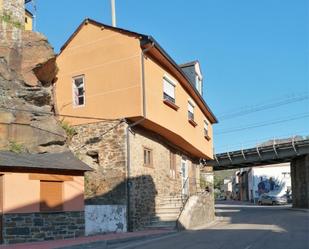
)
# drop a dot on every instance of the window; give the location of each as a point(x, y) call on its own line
point(168, 90)
point(78, 91)
point(198, 84)
point(206, 130)
point(147, 157)
point(51, 196)
point(190, 111)
point(172, 165)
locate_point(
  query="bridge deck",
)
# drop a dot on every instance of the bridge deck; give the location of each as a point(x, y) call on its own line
point(260, 155)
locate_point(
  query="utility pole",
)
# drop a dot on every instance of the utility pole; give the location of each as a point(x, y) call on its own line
point(113, 13)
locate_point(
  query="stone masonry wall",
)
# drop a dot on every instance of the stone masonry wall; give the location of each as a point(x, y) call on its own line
point(300, 181)
point(102, 145)
point(32, 227)
point(148, 184)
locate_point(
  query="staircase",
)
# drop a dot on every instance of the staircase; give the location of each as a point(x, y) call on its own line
point(167, 212)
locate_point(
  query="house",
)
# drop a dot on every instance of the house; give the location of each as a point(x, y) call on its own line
point(139, 118)
point(41, 196)
point(274, 180)
point(28, 20)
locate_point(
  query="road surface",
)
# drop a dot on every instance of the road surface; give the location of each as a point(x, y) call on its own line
point(240, 227)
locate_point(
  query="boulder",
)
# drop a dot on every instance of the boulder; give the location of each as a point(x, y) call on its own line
point(27, 72)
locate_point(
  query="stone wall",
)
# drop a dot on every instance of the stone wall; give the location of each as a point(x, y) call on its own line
point(300, 181)
point(102, 146)
point(19, 228)
point(148, 184)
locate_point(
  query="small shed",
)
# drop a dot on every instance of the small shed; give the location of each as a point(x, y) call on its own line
point(41, 196)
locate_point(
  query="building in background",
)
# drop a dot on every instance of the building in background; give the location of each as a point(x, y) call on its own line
point(251, 183)
point(274, 180)
point(28, 20)
point(148, 126)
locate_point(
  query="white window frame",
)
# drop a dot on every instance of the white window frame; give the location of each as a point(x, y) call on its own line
point(191, 104)
point(73, 90)
point(171, 82)
point(206, 127)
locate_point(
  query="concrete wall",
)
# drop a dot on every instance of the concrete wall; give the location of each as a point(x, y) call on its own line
point(105, 218)
point(198, 211)
point(300, 181)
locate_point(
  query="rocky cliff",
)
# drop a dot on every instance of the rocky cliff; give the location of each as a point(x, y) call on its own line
point(27, 72)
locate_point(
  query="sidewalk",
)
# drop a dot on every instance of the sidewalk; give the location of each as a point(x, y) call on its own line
point(109, 238)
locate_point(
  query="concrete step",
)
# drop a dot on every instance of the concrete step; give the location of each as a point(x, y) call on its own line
point(162, 224)
point(169, 202)
point(164, 218)
point(167, 211)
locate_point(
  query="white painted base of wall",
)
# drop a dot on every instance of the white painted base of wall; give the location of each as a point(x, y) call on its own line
point(105, 218)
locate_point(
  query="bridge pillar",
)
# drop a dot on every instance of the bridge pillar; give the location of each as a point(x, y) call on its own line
point(300, 181)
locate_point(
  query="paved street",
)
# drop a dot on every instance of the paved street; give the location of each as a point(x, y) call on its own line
point(240, 227)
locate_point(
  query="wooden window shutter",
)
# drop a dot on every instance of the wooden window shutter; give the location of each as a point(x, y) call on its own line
point(51, 196)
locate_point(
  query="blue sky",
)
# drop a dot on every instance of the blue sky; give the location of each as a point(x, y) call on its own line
point(252, 53)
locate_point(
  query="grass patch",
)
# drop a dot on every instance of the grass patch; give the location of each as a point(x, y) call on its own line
point(16, 147)
point(69, 130)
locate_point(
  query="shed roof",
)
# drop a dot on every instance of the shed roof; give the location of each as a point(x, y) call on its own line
point(54, 161)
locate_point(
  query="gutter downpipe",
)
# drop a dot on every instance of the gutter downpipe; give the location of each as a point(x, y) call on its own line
point(128, 130)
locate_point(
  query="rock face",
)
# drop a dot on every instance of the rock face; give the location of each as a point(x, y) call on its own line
point(27, 71)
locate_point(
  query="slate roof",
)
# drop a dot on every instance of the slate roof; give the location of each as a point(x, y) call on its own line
point(55, 161)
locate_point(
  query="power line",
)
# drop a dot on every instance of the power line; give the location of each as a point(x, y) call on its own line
point(257, 125)
point(56, 114)
point(262, 107)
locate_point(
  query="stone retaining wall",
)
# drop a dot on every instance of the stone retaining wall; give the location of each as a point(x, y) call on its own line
point(32, 227)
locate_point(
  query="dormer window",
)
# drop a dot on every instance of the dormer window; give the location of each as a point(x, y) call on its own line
point(79, 91)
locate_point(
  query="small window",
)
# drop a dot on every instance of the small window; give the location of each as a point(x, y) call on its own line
point(168, 90)
point(51, 196)
point(190, 111)
point(206, 130)
point(26, 20)
point(147, 157)
point(172, 165)
point(79, 91)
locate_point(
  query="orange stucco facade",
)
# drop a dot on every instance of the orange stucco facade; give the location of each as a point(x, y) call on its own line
point(112, 66)
point(21, 193)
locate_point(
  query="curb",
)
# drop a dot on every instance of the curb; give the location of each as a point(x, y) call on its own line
point(104, 243)
point(141, 237)
point(299, 210)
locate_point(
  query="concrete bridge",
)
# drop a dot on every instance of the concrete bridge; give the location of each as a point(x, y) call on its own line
point(295, 151)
